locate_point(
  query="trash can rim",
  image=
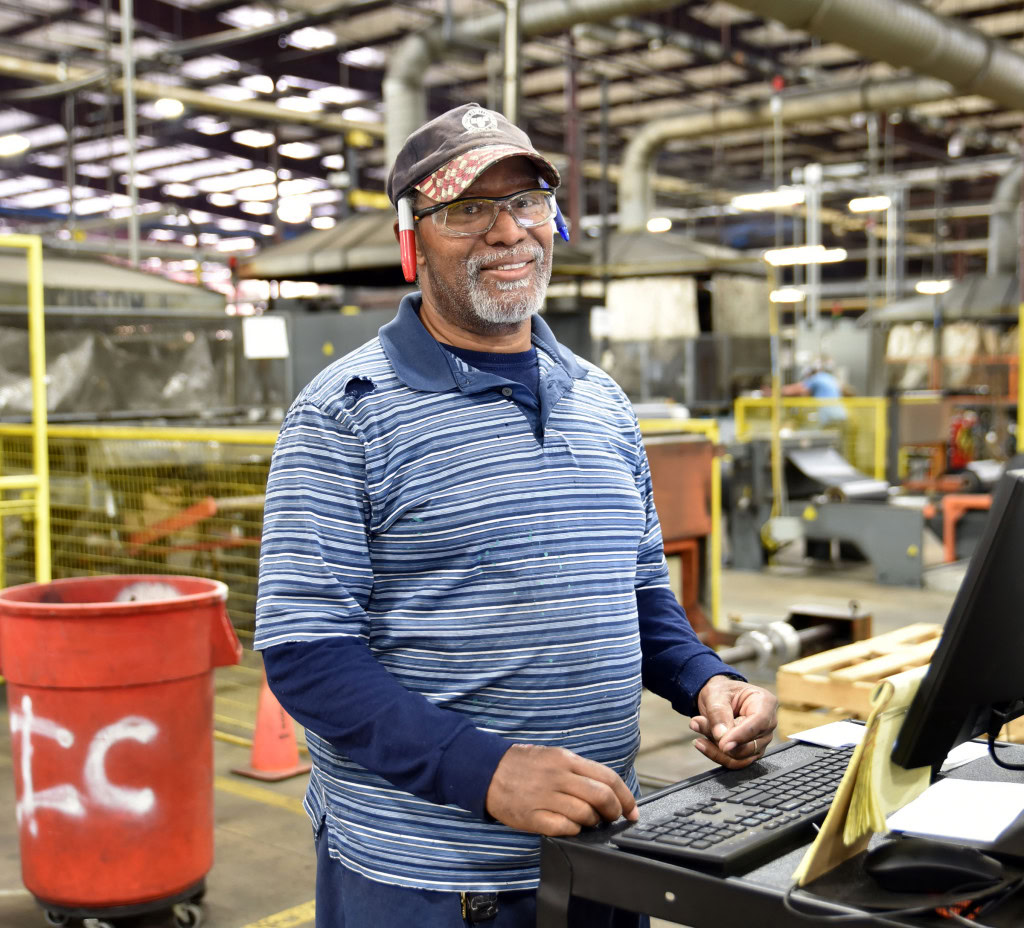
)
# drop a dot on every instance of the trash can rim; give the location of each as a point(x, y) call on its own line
point(218, 590)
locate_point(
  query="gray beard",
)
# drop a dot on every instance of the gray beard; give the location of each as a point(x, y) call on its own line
point(476, 309)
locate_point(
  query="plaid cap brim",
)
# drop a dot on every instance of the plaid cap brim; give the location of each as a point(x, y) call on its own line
point(451, 180)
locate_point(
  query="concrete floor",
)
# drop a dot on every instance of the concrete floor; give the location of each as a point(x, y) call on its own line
point(264, 871)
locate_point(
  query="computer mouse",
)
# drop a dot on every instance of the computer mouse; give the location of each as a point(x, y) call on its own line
point(925, 865)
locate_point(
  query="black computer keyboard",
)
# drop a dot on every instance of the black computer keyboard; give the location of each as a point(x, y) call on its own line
point(737, 827)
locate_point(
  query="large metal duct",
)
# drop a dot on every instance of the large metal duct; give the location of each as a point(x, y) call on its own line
point(899, 32)
point(906, 33)
point(1004, 224)
point(635, 199)
point(405, 98)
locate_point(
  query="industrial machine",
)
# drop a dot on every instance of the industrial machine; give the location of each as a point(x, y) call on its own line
point(825, 499)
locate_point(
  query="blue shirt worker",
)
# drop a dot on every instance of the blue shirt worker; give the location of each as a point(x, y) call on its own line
point(820, 383)
point(462, 583)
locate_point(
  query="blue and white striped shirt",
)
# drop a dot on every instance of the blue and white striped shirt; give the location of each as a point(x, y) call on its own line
point(485, 573)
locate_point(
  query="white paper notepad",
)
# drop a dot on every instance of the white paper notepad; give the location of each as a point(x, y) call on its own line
point(968, 810)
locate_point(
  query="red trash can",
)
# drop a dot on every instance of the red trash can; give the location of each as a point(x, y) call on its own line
point(110, 690)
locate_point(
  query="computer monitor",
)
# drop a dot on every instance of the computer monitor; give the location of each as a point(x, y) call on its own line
point(978, 665)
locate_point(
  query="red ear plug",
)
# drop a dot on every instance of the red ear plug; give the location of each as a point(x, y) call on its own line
point(407, 239)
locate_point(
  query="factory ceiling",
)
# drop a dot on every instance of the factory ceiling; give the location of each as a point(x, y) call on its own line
point(258, 121)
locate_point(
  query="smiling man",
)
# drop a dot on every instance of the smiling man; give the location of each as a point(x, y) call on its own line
point(462, 584)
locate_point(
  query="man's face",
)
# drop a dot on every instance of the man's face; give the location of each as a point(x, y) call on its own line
point(492, 282)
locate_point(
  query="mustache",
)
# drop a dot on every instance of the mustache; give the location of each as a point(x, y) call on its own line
point(475, 263)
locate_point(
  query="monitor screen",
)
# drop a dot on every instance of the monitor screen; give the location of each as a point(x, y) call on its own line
point(979, 662)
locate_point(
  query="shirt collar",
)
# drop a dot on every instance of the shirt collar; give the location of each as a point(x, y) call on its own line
point(422, 364)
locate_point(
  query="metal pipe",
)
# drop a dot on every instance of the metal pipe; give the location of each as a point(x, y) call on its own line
point(1004, 223)
point(510, 97)
point(909, 34)
point(405, 96)
point(809, 637)
point(128, 96)
point(635, 200)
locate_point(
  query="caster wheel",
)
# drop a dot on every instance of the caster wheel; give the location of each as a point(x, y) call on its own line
point(95, 923)
point(56, 919)
point(187, 915)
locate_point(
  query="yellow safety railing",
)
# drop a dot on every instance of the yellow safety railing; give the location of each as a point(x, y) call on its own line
point(147, 500)
point(863, 434)
point(34, 485)
point(709, 428)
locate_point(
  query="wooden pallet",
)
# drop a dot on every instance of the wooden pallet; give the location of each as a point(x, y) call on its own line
point(837, 684)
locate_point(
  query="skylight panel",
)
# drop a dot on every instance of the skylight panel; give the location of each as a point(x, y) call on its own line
point(365, 57)
point(254, 138)
point(342, 96)
point(249, 16)
point(259, 192)
point(160, 157)
point(41, 198)
point(43, 136)
point(361, 114)
point(228, 182)
point(312, 37)
point(95, 169)
point(208, 67)
point(13, 186)
point(181, 191)
point(300, 104)
point(231, 92)
point(15, 120)
point(208, 125)
point(260, 83)
point(192, 170)
point(299, 150)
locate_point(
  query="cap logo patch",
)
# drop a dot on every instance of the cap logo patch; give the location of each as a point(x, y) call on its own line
point(477, 119)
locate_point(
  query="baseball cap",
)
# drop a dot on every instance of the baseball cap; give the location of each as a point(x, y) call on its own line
point(444, 156)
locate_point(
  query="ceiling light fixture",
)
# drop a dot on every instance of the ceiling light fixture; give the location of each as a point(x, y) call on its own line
point(769, 199)
point(933, 287)
point(659, 224)
point(804, 254)
point(13, 144)
point(787, 295)
point(168, 108)
point(253, 138)
point(869, 204)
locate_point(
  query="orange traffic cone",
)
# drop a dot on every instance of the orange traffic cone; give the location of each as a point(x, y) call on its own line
point(275, 754)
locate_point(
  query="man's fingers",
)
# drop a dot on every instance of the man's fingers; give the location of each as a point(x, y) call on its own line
point(719, 717)
point(554, 825)
point(621, 800)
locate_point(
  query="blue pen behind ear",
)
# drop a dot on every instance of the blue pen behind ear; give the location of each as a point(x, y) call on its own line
point(563, 229)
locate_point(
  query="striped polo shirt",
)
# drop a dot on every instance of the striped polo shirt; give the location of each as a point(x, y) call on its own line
point(490, 565)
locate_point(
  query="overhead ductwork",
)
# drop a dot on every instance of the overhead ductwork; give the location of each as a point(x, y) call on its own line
point(1004, 224)
point(908, 34)
point(405, 100)
point(957, 58)
point(635, 198)
point(977, 297)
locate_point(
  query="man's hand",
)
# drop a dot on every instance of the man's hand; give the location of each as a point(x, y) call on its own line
point(736, 720)
point(551, 791)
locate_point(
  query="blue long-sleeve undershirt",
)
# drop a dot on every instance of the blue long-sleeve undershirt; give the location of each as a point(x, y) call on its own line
point(336, 688)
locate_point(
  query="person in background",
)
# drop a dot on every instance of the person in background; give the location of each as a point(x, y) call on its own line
point(819, 382)
point(462, 583)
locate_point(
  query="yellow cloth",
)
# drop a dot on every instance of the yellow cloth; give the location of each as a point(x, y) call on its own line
point(873, 786)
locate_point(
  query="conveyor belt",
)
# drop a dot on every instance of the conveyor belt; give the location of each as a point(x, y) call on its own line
point(813, 471)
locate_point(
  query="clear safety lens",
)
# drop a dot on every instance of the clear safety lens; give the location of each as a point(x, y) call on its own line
point(469, 217)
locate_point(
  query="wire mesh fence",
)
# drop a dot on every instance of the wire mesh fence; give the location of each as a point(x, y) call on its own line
point(148, 501)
